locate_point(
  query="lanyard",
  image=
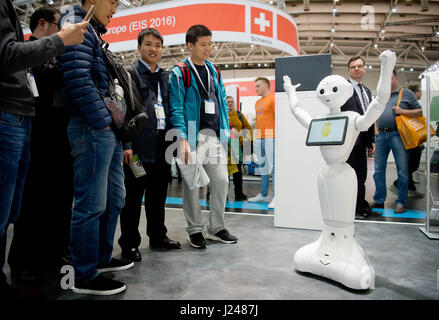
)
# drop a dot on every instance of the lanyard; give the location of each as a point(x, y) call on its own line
point(196, 72)
point(159, 94)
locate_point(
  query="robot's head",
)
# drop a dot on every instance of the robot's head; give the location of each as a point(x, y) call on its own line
point(334, 91)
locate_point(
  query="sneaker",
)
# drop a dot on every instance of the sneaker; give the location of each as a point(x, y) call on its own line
point(399, 208)
point(415, 194)
point(116, 265)
point(100, 286)
point(271, 205)
point(259, 198)
point(197, 240)
point(393, 189)
point(223, 236)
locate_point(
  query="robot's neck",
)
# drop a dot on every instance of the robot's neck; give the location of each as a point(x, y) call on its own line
point(334, 110)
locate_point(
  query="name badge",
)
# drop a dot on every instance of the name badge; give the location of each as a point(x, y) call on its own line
point(32, 84)
point(209, 106)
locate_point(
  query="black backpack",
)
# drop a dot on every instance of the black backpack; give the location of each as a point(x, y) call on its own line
point(135, 117)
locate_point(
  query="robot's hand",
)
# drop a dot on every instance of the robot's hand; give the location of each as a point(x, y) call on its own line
point(291, 91)
point(388, 57)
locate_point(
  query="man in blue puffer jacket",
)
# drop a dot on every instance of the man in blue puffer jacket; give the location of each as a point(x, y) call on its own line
point(99, 192)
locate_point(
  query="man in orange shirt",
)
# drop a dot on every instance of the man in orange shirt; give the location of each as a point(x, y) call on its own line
point(264, 138)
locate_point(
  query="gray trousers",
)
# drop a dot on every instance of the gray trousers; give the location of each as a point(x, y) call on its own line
point(213, 157)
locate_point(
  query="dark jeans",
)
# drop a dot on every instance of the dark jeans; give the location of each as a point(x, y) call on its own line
point(154, 186)
point(42, 230)
point(99, 195)
point(14, 163)
point(414, 155)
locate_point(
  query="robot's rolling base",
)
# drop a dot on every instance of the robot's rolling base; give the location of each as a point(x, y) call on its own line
point(337, 256)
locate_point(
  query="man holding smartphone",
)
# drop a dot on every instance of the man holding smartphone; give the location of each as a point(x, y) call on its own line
point(16, 110)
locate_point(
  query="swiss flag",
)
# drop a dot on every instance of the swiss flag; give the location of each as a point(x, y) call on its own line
point(262, 22)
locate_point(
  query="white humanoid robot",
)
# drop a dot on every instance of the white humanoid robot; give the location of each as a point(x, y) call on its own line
point(336, 254)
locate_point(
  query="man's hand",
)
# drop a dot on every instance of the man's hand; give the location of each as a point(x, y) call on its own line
point(184, 149)
point(372, 150)
point(128, 156)
point(397, 110)
point(72, 34)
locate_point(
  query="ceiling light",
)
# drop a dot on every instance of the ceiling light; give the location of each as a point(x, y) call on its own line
point(265, 65)
point(182, 50)
point(383, 31)
point(259, 64)
point(394, 9)
point(334, 10)
point(236, 66)
point(50, 2)
point(402, 69)
point(226, 65)
point(332, 30)
point(375, 45)
point(411, 69)
point(423, 48)
point(332, 44)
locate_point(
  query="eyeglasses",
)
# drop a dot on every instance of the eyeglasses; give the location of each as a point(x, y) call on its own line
point(356, 67)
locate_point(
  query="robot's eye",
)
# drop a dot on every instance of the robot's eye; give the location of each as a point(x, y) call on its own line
point(335, 89)
point(322, 91)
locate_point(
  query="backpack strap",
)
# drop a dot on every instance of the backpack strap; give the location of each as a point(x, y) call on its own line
point(240, 117)
point(186, 74)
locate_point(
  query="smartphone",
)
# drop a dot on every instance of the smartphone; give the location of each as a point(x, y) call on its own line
point(89, 14)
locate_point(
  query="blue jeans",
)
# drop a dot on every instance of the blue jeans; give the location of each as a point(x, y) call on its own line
point(264, 149)
point(99, 196)
point(386, 141)
point(14, 163)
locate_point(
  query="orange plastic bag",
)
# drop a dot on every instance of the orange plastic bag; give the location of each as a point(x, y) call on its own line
point(413, 131)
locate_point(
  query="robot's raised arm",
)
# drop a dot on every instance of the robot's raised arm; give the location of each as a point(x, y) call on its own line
point(376, 107)
point(301, 115)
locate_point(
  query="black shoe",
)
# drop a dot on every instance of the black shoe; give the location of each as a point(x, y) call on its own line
point(132, 254)
point(240, 197)
point(366, 212)
point(116, 265)
point(223, 236)
point(100, 286)
point(166, 243)
point(197, 240)
point(378, 205)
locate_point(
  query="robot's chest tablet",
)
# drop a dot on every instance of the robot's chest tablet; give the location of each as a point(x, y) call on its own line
point(327, 131)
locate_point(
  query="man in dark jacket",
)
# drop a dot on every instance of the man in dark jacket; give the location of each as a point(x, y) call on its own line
point(150, 147)
point(99, 191)
point(45, 224)
point(16, 109)
point(366, 140)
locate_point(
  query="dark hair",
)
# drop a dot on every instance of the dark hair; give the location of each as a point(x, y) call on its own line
point(149, 31)
point(229, 97)
point(197, 31)
point(355, 58)
point(263, 79)
point(415, 87)
point(47, 14)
